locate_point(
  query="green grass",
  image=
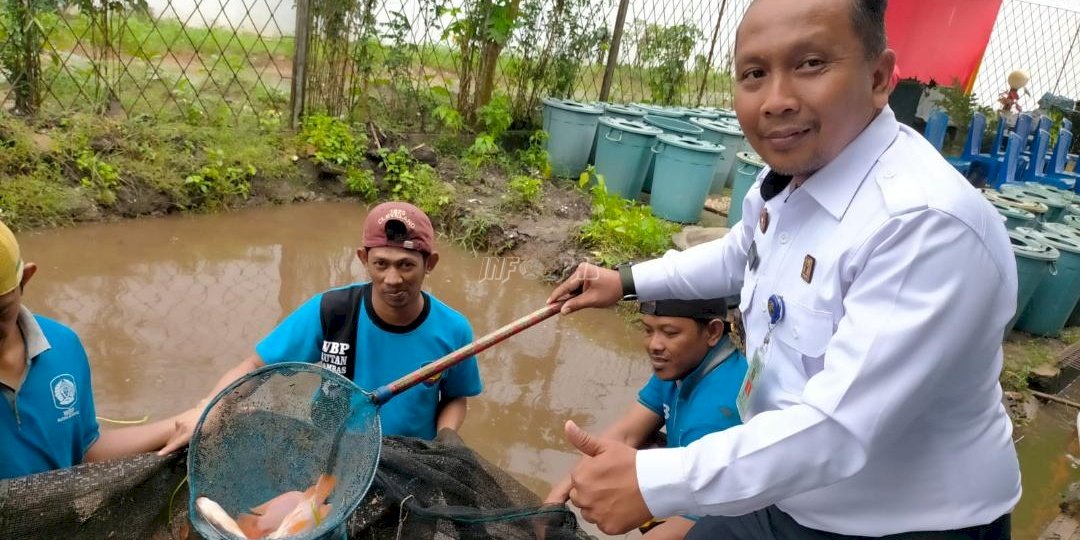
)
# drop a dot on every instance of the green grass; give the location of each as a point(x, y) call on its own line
point(38, 199)
point(1024, 353)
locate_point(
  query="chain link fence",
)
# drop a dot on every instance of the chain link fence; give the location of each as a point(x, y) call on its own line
point(1040, 39)
point(414, 64)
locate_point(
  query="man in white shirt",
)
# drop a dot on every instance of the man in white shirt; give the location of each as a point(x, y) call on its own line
point(875, 286)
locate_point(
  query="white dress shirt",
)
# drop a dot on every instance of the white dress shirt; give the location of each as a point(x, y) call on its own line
point(878, 409)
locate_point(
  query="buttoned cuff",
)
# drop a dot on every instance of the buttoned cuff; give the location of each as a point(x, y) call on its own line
point(662, 480)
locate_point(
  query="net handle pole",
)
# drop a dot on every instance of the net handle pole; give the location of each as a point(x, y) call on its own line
point(385, 392)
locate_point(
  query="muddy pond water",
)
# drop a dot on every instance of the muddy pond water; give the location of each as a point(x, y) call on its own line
point(165, 306)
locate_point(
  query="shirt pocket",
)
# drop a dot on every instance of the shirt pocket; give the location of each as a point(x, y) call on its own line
point(806, 333)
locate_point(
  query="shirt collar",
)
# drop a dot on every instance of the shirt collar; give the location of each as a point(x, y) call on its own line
point(36, 344)
point(716, 356)
point(835, 184)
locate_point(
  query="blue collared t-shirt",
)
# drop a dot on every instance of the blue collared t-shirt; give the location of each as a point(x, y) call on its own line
point(384, 353)
point(701, 403)
point(49, 423)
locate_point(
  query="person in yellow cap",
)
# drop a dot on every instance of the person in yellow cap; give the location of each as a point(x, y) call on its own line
point(47, 418)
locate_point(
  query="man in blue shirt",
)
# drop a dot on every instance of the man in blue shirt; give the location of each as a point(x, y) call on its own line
point(47, 418)
point(697, 373)
point(375, 332)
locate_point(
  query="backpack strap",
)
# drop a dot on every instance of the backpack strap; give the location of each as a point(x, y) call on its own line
point(339, 314)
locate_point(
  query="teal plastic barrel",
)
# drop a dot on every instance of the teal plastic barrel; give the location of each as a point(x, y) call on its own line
point(670, 126)
point(701, 112)
point(623, 154)
point(1055, 203)
point(1056, 296)
point(1034, 261)
point(726, 135)
point(658, 110)
point(571, 129)
point(725, 113)
point(1014, 217)
point(747, 167)
point(624, 111)
point(684, 172)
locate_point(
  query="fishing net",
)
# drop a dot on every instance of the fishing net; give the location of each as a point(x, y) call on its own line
point(276, 430)
point(421, 489)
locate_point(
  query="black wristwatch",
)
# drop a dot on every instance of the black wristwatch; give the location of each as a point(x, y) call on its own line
point(626, 276)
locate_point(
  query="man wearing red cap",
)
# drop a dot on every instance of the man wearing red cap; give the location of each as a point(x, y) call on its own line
point(375, 332)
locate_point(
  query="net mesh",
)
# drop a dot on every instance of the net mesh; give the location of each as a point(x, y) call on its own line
point(276, 430)
point(421, 489)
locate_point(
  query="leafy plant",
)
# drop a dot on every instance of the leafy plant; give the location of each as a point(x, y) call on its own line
point(414, 182)
point(98, 176)
point(218, 183)
point(665, 49)
point(493, 120)
point(362, 183)
point(534, 158)
point(524, 192)
point(620, 230)
point(961, 108)
point(332, 141)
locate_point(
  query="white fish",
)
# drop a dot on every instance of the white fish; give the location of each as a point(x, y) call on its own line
point(218, 517)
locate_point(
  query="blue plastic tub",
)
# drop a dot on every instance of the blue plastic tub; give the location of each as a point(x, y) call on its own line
point(684, 172)
point(1056, 296)
point(671, 126)
point(624, 111)
point(659, 110)
point(746, 170)
point(624, 153)
point(726, 135)
point(571, 129)
point(1034, 261)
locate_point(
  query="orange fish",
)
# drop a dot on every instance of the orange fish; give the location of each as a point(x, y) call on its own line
point(290, 513)
point(218, 517)
point(268, 516)
point(309, 512)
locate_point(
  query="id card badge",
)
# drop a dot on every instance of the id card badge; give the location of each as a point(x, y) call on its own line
point(753, 371)
point(757, 360)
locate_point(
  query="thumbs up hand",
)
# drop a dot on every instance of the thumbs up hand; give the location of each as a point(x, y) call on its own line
point(604, 483)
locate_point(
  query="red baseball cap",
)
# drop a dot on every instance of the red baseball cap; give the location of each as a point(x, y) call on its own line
point(399, 224)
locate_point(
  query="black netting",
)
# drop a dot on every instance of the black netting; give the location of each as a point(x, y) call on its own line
point(423, 489)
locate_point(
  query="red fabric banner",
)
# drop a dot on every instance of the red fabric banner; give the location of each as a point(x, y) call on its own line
point(941, 40)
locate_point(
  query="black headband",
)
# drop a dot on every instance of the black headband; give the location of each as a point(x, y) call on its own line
point(714, 308)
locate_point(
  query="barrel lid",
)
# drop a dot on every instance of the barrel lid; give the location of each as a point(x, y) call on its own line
point(751, 158)
point(669, 112)
point(690, 143)
point(1019, 201)
point(1065, 194)
point(633, 126)
point(702, 112)
point(624, 109)
point(718, 126)
point(1063, 241)
point(571, 105)
point(1027, 244)
point(674, 124)
point(1012, 211)
point(1061, 228)
point(1037, 194)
